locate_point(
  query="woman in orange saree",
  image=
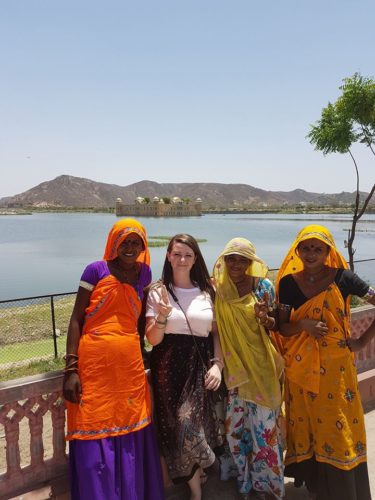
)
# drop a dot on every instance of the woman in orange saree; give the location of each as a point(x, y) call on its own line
point(112, 454)
point(326, 440)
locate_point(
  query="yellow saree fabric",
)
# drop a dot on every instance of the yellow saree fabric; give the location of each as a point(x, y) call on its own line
point(251, 363)
point(323, 405)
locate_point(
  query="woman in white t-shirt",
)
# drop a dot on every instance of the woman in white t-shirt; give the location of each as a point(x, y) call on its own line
point(186, 363)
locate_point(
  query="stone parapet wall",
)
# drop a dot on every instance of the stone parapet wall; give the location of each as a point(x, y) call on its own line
point(362, 317)
point(25, 403)
point(32, 414)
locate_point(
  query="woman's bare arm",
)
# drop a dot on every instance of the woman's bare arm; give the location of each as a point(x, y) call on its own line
point(213, 377)
point(314, 328)
point(72, 384)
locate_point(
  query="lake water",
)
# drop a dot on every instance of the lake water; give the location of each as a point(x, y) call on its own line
point(46, 253)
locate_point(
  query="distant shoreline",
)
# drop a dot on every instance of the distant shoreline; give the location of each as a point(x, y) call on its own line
point(291, 210)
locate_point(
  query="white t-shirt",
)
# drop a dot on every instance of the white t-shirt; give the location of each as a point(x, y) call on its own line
point(197, 306)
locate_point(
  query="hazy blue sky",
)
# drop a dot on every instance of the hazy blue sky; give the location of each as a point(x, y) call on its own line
point(177, 91)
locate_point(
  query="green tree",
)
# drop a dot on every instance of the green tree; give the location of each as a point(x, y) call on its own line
point(349, 120)
point(147, 199)
point(166, 200)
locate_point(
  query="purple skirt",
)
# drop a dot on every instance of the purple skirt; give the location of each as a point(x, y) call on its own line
point(125, 467)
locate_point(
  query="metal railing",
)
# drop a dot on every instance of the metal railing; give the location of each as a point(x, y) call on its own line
point(34, 328)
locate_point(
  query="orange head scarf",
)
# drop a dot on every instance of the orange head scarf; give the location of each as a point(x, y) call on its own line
point(119, 232)
point(293, 264)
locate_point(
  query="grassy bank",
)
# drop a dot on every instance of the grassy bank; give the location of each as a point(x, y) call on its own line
point(31, 368)
point(33, 321)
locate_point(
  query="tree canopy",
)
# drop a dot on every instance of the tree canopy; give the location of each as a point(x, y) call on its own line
point(349, 120)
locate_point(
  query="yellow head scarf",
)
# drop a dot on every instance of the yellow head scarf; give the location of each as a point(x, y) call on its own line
point(251, 363)
point(238, 246)
point(293, 264)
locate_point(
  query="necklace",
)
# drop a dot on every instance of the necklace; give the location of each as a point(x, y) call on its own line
point(313, 277)
point(244, 286)
point(130, 275)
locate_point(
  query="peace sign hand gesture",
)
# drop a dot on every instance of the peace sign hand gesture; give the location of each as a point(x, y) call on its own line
point(165, 307)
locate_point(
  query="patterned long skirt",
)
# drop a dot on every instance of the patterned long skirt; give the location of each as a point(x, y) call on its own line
point(255, 442)
point(187, 424)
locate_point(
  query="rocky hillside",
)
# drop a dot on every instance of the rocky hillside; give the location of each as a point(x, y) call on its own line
point(69, 191)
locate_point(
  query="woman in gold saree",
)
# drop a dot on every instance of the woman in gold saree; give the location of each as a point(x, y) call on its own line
point(252, 369)
point(326, 441)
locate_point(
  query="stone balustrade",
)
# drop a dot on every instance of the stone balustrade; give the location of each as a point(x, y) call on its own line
point(34, 398)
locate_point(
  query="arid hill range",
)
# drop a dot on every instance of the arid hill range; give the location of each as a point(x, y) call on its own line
point(67, 191)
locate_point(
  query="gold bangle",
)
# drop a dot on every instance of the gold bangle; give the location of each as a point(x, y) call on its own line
point(71, 363)
point(267, 325)
point(70, 356)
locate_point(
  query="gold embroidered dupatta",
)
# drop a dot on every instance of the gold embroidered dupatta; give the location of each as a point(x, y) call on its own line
point(302, 352)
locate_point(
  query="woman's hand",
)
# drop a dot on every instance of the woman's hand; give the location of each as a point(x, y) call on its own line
point(316, 329)
point(156, 326)
point(213, 378)
point(165, 307)
point(261, 310)
point(72, 387)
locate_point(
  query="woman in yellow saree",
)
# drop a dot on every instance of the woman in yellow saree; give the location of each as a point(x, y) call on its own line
point(252, 369)
point(326, 441)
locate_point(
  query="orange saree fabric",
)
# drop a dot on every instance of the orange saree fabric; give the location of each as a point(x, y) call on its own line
point(115, 396)
point(323, 405)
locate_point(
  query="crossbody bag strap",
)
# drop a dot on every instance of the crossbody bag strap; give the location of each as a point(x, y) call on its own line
point(175, 298)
